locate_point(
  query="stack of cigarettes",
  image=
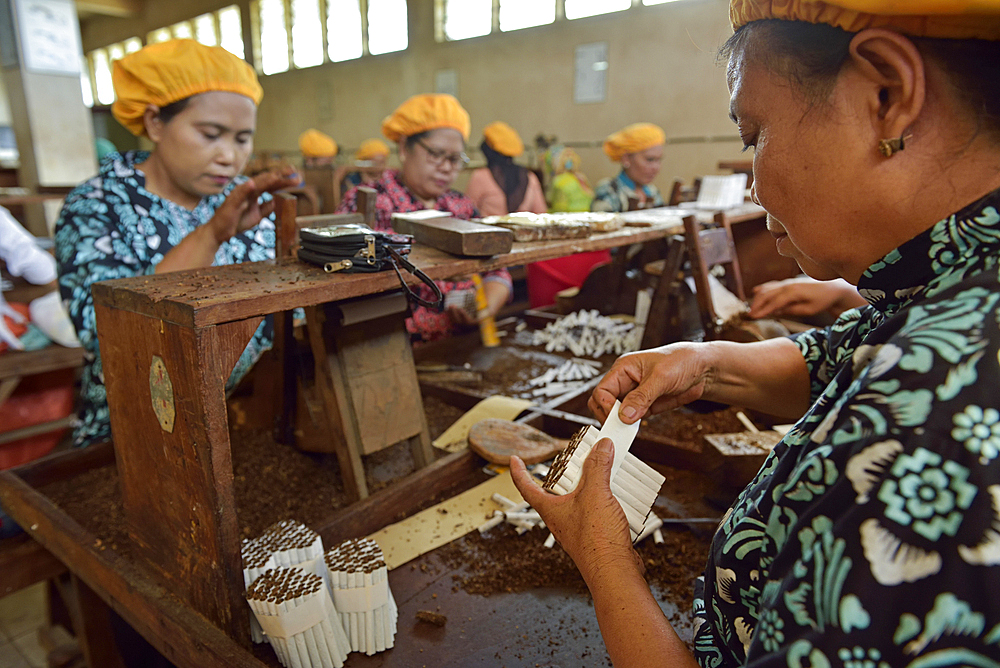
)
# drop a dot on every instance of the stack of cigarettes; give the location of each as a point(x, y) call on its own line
point(295, 610)
point(294, 544)
point(633, 482)
point(565, 378)
point(359, 583)
point(588, 333)
point(287, 544)
point(257, 560)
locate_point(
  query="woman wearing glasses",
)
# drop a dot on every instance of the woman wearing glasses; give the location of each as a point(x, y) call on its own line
point(430, 132)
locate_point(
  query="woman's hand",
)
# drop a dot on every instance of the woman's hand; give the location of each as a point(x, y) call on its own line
point(803, 296)
point(588, 522)
point(241, 209)
point(653, 380)
point(239, 212)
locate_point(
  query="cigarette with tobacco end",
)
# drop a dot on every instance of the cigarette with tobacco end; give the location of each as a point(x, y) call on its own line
point(293, 607)
point(359, 582)
point(634, 484)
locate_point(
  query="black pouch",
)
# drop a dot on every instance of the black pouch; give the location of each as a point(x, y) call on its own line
point(358, 248)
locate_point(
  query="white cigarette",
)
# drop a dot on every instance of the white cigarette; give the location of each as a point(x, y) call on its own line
point(550, 541)
point(751, 427)
point(658, 536)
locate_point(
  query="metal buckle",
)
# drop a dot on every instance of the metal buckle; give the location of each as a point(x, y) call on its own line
point(370, 240)
point(331, 267)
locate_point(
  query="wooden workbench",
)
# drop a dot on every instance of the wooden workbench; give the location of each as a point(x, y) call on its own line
point(183, 591)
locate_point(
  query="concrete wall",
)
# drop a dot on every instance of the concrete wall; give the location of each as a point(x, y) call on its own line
point(662, 69)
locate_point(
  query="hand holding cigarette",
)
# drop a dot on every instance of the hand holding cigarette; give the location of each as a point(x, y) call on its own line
point(588, 522)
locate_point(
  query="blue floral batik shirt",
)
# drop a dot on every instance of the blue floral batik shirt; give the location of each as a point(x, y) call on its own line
point(871, 536)
point(112, 227)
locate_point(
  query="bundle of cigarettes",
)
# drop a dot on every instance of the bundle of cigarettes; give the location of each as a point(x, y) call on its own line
point(565, 378)
point(295, 610)
point(294, 544)
point(633, 482)
point(588, 333)
point(287, 544)
point(359, 583)
point(257, 560)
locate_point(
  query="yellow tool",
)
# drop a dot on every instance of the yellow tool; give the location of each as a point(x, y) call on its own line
point(487, 325)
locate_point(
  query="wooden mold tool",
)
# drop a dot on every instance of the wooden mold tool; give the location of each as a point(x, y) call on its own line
point(496, 440)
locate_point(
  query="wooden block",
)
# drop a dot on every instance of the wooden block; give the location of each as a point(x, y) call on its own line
point(459, 237)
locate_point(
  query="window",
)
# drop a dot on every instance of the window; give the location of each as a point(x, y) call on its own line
point(577, 9)
point(307, 33)
point(222, 28)
point(518, 14)
point(344, 30)
point(231, 30)
point(85, 85)
point(182, 30)
point(205, 30)
point(273, 36)
point(161, 35)
point(467, 18)
point(304, 33)
point(102, 76)
point(387, 26)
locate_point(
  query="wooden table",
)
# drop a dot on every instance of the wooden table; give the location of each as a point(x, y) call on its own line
point(173, 456)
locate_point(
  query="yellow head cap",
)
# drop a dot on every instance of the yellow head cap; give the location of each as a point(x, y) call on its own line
point(371, 148)
point(950, 19)
point(632, 139)
point(426, 112)
point(503, 139)
point(171, 71)
point(315, 144)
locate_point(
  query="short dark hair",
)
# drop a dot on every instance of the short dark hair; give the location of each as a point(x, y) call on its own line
point(168, 112)
point(414, 139)
point(811, 56)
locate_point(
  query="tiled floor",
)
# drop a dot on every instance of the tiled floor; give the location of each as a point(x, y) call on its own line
point(21, 615)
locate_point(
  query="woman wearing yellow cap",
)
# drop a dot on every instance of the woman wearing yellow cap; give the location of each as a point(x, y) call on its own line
point(502, 186)
point(639, 149)
point(871, 535)
point(430, 132)
point(318, 149)
point(180, 206)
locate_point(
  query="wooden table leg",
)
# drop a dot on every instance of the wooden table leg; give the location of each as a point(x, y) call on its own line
point(92, 624)
point(343, 426)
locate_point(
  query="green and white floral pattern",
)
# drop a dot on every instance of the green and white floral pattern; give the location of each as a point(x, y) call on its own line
point(871, 536)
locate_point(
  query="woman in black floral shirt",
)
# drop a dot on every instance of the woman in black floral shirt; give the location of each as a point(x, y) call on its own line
point(181, 206)
point(870, 537)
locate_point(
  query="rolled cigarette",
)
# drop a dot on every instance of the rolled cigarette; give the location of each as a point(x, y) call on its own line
point(658, 536)
point(550, 541)
point(751, 427)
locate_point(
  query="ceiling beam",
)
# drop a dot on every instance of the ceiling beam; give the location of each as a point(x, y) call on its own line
point(120, 8)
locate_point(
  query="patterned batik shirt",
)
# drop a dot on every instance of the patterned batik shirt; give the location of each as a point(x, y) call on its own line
point(613, 194)
point(112, 227)
point(870, 538)
point(392, 196)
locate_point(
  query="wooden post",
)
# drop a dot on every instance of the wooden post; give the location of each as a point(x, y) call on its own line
point(166, 393)
point(366, 204)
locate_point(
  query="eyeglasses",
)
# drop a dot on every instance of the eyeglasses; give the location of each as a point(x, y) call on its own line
point(438, 158)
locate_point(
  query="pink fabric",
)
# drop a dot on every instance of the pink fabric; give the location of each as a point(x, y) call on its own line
point(490, 199)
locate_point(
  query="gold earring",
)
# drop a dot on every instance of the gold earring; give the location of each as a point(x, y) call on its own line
point(887, 147)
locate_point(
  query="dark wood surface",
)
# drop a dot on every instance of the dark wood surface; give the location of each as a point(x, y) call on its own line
point(203, 297)
point(177, 485)
point(459, 237)
point(186, 638)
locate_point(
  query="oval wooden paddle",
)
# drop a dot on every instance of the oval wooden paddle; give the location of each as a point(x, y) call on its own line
point(496, 440)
